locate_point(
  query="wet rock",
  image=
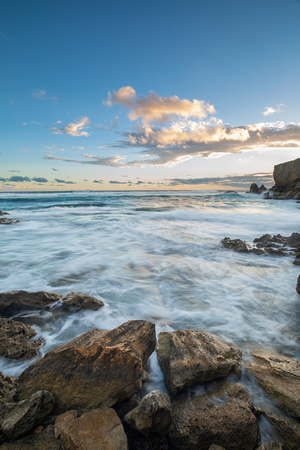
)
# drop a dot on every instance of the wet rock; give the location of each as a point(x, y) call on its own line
point(254, 189)
point(8, 388)
point(280, 376)
point(271, 446)
point(287, 428)
point(82, 301)
point(14, 340)
point(100, 428)
point(99, 368)
point(235, 244)
point(152, 415)
point(2, 213)
point(287, 180)
point(190, 356)
point(122, 408)
point(18, 419)
point(225, 419)
point(298, 285)
point(16, 301)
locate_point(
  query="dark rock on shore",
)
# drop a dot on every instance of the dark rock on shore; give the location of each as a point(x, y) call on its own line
point(254, 189)
point(16, 301)
point(18, 419)
point(152, 415)
point(225, 419)
point(298, 285)
point(99, 368)
point(287, 428)
point(235, 244)
point(190, 356)
point(82, 301)
point(287, 180)
point(5, 220)
point(14, 340)
point(280, 376)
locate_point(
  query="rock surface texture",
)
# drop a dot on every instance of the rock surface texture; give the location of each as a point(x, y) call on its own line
point(287, 428)
point(287, 180)
point(152, 415)
point(280, 376)
point(190, 356)
point(226, 419)
point(16, 301)
point(82, 301)
point(99, 368)
point(14, 340)
point(8, 388)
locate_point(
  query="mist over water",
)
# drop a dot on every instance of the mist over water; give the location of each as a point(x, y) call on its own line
point(153, 256)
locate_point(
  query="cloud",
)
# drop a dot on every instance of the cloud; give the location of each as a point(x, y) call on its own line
point(153, 108)
point(40, 180)
point(55, 170)
point(97, 181)
point(241, 181)
point(114, 124)
point(14, 171)
point(113, 161)
point(40, 94)
point(73, 129)
point(118, 182)
point(18, 179)
point(64, 181)
point(270, 110)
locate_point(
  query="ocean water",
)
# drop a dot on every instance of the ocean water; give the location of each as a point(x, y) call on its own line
point(154, 256)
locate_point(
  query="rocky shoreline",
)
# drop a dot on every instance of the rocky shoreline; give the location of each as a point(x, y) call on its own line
point(85, 394)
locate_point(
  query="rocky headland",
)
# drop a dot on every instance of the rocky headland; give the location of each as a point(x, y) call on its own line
point(86, 394)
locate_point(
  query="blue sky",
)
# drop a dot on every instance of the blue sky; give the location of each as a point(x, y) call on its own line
point(174, 94)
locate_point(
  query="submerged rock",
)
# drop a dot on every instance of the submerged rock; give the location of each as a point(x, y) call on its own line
point(82, 301)
point(5, 220)
point(18, 419)
point(225, 419)
point(287, 428)
point(280, 376)
point(16, 301)
point(235, 244)
point(14, 340)
point(190, 356)
point(152, 415)
point(99, 368)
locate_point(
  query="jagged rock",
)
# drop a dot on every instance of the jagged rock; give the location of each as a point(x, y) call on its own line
point(99, 368)
point(298, 285)
point(287, 428)
point(152, 415)
point(2, 213)
point(100, 428)
point(14, 340)
point(271, 446)
point(280, 376)
point(190, 356)
point(18, 419)
point(235, 244)
point(254, 189)
point(287, 180)
point(122, 408)
point(16, 301)
point(225, 419)
point(8, 388)
point(82, 301)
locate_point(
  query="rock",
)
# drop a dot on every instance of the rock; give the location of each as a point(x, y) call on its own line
point(235, 244)
point(2, 213)
point(225, 419)
point(216, 447)
point(34, 442)
point(152, 415)
point(287, 180)
point(97, 429)
point(122, 408)
point(18, 419)
point(5, 221)
point(298, 285)
point(16, 301)
point(98, 368)
point(82, 301)
point(287, 428)
point(271, 446)
point(280, 376)
point(254, 189)
point(8, 388)
point(14, 340)
point(62, 426)
point(190, 356)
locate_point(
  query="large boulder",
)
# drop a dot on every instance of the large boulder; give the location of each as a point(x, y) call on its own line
point(18, 419)
point(82, 301)
point(225, 419)
point(287, 428)
point(14, 340)
point(152, 415)
point(16, 301)
point(190, 356)
point(280, 376)
point(98, 368)
point(97, 429)
point(287, 180)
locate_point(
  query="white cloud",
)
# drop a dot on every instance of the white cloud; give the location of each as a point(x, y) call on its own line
point(73, 129)
point(40, 94)
point(270, 110)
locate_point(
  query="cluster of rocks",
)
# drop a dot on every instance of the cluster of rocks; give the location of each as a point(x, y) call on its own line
point(6, 220)
point(83, 394)
point(268, 245)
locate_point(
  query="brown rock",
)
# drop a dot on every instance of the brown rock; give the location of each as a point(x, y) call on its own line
point(99, 368)
point(18, 419)
point(287, 428)
point(14, 340)
point(8, 388)
point(82, 301)
point(280, 376)
point(271, 446)
point(62, 426)
point(298, 285)
point(287, 173)
point(97, 429)
point(225, 419)
point(34, 442)
point(235, 244)
point(190, 356)
point(152, 415)
point(16, 301)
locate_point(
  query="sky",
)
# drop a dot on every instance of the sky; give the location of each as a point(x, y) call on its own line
point(168, 94)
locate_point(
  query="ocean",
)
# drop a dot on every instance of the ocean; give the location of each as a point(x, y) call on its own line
point(155, 256)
